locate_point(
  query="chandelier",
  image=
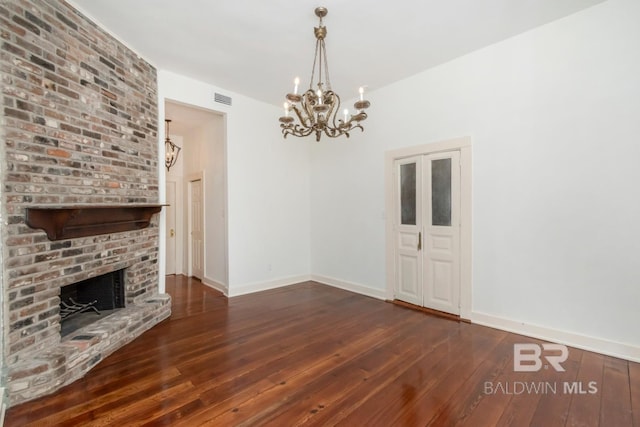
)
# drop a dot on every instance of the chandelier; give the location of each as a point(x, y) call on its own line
point(171, 150)
point(317, 110)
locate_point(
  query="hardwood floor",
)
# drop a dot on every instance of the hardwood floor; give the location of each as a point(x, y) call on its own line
point(314, 355)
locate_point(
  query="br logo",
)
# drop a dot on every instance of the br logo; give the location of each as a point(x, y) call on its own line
point(528, 357)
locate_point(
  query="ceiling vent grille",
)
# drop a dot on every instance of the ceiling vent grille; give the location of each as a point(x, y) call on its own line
point(222, 99)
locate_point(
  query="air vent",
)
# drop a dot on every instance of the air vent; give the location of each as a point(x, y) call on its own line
point(223, 99)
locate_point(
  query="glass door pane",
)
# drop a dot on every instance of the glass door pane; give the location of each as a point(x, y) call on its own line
point(441, 192)
point(408, 195)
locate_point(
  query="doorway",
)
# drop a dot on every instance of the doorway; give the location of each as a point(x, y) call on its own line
point(200, 177)
point(428, 192)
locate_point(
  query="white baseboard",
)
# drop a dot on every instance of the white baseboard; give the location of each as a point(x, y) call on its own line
point(218, 286)
point(286, 281)
point(350, 286)
point(263, 286)
point(584, 342)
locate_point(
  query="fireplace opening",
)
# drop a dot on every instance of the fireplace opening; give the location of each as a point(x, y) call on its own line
point(85, 302)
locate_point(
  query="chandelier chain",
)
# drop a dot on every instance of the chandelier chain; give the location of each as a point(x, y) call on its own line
point(326, 65)
point(313, 69)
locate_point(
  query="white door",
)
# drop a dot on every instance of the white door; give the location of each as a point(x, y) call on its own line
point(427, 231)
point(171, 228)
point(196, 229)
point(408, 230)
point(442, 232)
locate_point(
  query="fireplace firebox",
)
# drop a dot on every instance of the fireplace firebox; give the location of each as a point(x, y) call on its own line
point(92, 299)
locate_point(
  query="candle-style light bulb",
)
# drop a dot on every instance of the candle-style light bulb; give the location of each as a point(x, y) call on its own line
point(361, 90)
point(319, 93)
point(296, 83)
point(346, 114)
point(286, 109)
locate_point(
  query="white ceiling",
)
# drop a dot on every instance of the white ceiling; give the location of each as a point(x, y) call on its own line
point(257, 47)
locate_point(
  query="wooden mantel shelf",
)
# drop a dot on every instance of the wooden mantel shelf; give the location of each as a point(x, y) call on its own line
point(67, 222)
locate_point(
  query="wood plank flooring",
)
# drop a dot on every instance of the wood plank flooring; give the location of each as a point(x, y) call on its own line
point(313, 355)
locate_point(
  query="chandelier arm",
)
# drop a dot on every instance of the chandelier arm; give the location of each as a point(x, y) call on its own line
point(296, 130)
point(335, 108)
point(357, 126)
point(308, 101)
point(302, 131)
point(297, 111)
point(340, 132)
point(336, 132)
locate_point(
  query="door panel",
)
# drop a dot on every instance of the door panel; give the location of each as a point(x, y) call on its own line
point(409, 282)
point(408, 230)
point(442, 232)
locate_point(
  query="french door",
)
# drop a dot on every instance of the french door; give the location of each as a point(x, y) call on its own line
point(427, 230)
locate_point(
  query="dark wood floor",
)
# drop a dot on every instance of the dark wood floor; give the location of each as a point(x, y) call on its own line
point(314, 355)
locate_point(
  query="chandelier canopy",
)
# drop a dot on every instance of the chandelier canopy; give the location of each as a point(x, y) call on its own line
point(171, 150)
point(317, 109)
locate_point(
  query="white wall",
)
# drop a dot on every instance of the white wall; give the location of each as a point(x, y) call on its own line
point(215, 194)
point(268, 188)
point(554, 115)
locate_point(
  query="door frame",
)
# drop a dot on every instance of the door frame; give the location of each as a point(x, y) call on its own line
point(463, 145)
point(171, 183)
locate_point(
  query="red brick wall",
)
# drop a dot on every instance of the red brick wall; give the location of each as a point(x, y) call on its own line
point(79, 125)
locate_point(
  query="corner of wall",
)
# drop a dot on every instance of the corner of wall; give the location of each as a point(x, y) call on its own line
point(266, 285)
point(357, 288)
point(218, 286)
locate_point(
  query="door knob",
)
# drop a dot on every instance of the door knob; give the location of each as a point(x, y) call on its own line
point(172, 233)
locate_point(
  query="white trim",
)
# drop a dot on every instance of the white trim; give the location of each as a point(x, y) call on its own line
point(350, 286)
point(462, 144)
point(430, 148)
point(249, 288)
point(466, 219)
point(225, 197)
point(584, 342)
point(162, 197)
point(220, 287)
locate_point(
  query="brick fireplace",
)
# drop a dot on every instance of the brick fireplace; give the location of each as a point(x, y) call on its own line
point(78, 128)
